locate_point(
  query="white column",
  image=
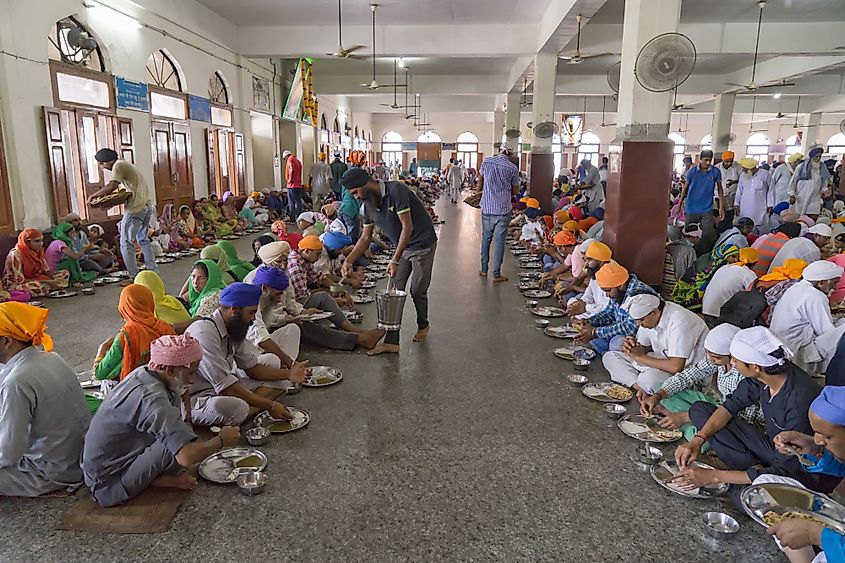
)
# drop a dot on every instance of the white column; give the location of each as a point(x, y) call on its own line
point(722, 118)
point(545, 72)
point(641, 114)
point(512, 118)
point(811, 132)
point(498, 127)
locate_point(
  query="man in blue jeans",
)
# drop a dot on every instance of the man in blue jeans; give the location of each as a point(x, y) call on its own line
point(137, 211)
point(697, 199)
point(498, 181)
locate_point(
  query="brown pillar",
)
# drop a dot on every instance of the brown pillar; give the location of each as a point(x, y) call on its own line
point(541, 173)
point(637, 206)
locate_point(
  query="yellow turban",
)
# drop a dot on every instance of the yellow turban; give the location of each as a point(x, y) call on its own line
point(530, 202)
point(25, 323)
point(748, 163)
point(255, 195)
point(793, 158)
point(562, 216)
point(747, 256)
point(311, 242)
point(321, 156)
point(571, 226)
point(611, 275)
point(599, 251)
point(728, 155)
point(791, 270)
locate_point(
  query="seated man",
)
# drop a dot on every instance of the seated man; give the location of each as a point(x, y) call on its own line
point(669, 339)
point(557, 254)
point(802, 316)
point(729, 280)
point(266, 332)
point(736, 236)
point(231, 370)
point(783, 391)
point(807, 248)
point(593, 299)
point(533, 232)
point(43, 413)
point(138, 438)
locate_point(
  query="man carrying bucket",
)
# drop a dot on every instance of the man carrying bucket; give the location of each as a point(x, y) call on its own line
point(403, 218)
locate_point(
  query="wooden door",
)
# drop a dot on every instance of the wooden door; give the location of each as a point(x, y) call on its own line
point(184, 181)
point(59, 160)
point(163, 173)
point(125, 139)
point(7, 221)
point(240, 164)
point(211, 146)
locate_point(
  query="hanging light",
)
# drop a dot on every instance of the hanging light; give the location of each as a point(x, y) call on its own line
point(401, 62)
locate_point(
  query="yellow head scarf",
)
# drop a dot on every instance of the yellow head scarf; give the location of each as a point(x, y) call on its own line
point(25, 323)
point(791, 270)
point(747, 256)
point(168, 308)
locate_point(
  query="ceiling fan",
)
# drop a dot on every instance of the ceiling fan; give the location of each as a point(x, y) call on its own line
point(341, 52)
point(753, 86)
point(603, 124)
point(578, 57)
point(394, 105)
point(407, 88)
point(374, 85)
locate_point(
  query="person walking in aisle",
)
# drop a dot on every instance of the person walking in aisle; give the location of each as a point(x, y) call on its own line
point(498, 182)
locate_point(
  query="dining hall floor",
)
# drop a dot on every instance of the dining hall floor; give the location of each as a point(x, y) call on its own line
point(471, 446)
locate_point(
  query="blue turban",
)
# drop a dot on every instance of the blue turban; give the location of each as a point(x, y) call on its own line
point(780, 207)
point(270, 276)
point(334, 240)
point(240, 294)
point(531, 213)
point(598, 213)
point(816, 151)
point(830, 405)
point(765, 166)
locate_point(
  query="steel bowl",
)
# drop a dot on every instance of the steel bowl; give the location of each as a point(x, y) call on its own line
point(257, 436)
point(531, 303)
point(251, 482)
point(576, 379)
point(615, 411)
point(542, 323)
point(87, 291)
point(294, 388)
point(649, 455)
point(719, 525)
point(581, 364)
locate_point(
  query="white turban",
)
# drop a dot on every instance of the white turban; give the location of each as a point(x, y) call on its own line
point(718, 341)
point(307, 216)
point(585, 245)
point(641, 305)
point(821, 229)
point(754, 345)
point(822, 270)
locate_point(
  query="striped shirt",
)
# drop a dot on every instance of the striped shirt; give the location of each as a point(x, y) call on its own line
point(302, 274)
point(500, 175)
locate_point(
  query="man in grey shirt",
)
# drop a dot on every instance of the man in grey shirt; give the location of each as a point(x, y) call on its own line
point(43, 414)
point(138, 438)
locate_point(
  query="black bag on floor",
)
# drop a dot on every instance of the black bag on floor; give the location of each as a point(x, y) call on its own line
point(745, 309)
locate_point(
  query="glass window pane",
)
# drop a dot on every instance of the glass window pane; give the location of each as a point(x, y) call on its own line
point(221, 116)
point(89, 132)
point(391, 147)
point(468, 147)
point(167, 106)
point(81, 90)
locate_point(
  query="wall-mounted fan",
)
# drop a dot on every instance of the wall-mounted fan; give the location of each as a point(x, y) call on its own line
point(545, 129)
point(344, 53)
point(665, 62)
point(727, 139)
point(613, 77)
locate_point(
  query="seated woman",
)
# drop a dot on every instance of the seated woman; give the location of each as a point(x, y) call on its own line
point(99, 251)
point(202, 290)
point(117, 357)
point(258, 243)
point(194, 230)
point(230, 213)
point(168, 308)
point(253, 212)
point(219, 257)
point(61, 256)
point(238, 267)
point(211, 213)
point(280, 229)
point(26, 269)
point(783, 391)
point(689, 290)
point(170, 224)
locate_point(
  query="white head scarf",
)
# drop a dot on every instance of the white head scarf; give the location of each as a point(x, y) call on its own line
point(718, 341)
point(822, 270)
point(754, 345)
point(641, 305)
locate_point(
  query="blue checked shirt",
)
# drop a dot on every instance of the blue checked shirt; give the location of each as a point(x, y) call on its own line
point(614, 320)
point(500, 176)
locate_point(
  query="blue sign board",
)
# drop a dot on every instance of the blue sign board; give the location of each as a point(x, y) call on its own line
point(449, 146)
point(131, 95)
point(409, 146)
point(199, 108)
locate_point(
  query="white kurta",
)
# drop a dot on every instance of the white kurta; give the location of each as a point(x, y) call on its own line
point(725, 283)
point(801, 316)
point(731, 173)
point(755, 196)
point(800, 247)
point(807, 192)
point(781, 178)
point(532, 231)
point(595, 300)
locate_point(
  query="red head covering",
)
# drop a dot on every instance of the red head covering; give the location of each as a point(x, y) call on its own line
point(549, 221)
point(137, 306)
point(33, 262)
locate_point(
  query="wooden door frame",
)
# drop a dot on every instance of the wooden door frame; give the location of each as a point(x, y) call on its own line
point(75, 70)
point(7, 222)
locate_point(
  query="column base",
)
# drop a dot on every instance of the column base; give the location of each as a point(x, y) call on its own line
point(541, 172)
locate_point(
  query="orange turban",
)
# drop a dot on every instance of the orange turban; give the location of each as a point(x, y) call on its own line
point(549, 222)
point(747, 256)
point(25, 323)
point(564, 238)
point(611, 275)
point(311, 242)
point(562, 217)
point(571, 226)
point(530, 202)
point(791, 270)
point(599, 251)
point(728, 155)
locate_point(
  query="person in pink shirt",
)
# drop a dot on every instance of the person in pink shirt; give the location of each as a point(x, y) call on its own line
point(839, 292)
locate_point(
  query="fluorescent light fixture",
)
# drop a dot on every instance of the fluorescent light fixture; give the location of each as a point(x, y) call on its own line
point(115, 17)
point(401, 62)
point(778, 95)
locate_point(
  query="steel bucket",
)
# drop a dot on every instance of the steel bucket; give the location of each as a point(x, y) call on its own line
point(390, 303)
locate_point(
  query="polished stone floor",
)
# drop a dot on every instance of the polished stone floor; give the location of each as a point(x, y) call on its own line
point(471, 446)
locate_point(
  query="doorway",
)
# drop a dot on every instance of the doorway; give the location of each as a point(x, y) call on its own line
point(172, 171)
point(264, 151)
point(226, 162)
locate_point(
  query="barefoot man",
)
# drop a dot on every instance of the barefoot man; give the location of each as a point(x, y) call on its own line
point(138, 439)
point(403, 218)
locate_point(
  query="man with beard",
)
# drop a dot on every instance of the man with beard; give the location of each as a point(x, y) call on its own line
point(138, 439)
point(730, 171)
point(807, 184)
point(593, 300)
point(782, 176)
point(231, 371)
point(404, 219)
point(755, 197)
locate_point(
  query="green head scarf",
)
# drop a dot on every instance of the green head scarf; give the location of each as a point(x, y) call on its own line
point(213, 285)
point(239, 267)
point(216, 254)
point(60, 232)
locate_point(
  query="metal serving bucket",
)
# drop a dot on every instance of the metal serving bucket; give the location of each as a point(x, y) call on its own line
point(390, 303)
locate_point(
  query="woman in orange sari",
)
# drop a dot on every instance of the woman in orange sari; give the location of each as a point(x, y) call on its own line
point(26, 269)
point(119, 356)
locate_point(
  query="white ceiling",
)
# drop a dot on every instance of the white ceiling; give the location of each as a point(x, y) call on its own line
point(703, 11)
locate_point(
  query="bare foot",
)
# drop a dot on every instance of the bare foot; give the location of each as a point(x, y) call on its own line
point(483, 274)
point(181, 481)
point(421, 334)
point(500, 279)
point(369, 338)
point(384, 349)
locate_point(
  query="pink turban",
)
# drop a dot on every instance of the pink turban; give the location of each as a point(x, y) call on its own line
point(174, 351)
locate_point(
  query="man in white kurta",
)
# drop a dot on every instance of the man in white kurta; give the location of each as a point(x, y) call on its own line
point(782, 176)
point(807, 184)
point(669, 338)
point(589, 182)
point(755, 197)
point(803, 314)
point(594, 300)
point(807, 249)
point(729, 280)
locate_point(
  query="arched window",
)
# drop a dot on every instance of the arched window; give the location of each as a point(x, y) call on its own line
point(468, 149)
point(391, 147)
point(793, 145)
point(70, 42)
point(757, 146)
point(217, 89)
point(678, 151)
point(356, 132)
point(429, 137)
point(323, 123)
point(163, 72)
point(836, 146)
point(707, 142)
point(589, 147)
point(336, 125)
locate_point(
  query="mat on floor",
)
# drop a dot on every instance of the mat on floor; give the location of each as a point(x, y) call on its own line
point(151, 512)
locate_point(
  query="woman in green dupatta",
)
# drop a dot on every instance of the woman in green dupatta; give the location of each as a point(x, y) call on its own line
point(216, 255)
point(204, 288)
point(222, 228)
point(69, 259)
point(689, 293)
point(239, 267)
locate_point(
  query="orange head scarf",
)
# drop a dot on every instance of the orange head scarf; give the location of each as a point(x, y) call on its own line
point(26, 323)
point(791, 270)
point(550, 223)
point(138, 308)
point(33, 262)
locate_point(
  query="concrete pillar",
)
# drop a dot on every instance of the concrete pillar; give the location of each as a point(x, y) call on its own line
point(811, 132)
point(722, 119)
point(498, 127)
point(512, 118)
point(636, 201)
point(542, 166)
